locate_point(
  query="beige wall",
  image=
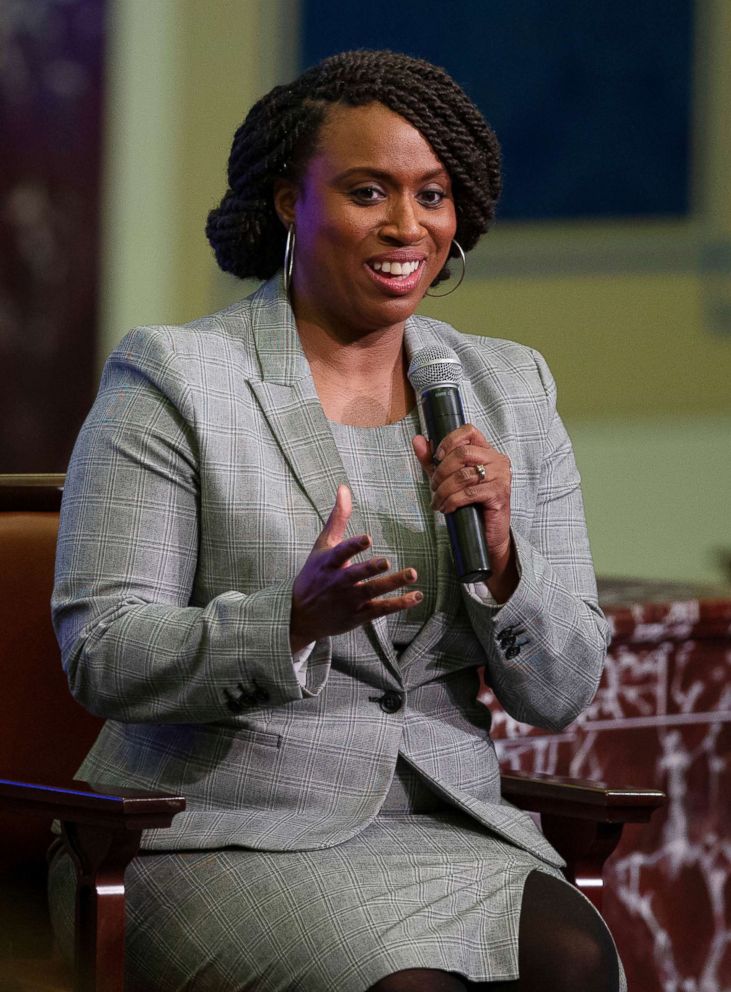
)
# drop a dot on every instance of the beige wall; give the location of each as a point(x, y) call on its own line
point(624, 312)
point(644, 387)
point(619, 345)
point(182, 75)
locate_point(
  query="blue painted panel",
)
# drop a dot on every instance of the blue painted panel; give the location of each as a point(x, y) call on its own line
point(591, 100)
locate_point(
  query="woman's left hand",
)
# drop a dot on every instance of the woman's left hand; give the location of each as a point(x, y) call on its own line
point(456, 480)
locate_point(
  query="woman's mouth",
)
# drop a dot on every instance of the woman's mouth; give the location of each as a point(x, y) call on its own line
point(396, 268)
point(399, 277)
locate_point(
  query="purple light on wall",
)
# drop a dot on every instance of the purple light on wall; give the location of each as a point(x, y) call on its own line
point(51, 102)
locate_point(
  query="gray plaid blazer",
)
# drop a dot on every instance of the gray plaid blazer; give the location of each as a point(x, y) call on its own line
point(197, 487)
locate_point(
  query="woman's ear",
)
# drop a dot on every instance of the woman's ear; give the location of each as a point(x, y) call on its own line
point(285, 198)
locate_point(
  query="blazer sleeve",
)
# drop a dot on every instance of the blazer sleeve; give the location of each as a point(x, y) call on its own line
point(134, 647)
point(545, 647)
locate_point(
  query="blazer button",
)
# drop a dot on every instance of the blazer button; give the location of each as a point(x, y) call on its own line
point(390, 702)
point(260, 695)
point(235, 704)
point(506, 637)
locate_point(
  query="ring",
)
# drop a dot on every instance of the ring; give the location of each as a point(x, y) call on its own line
point(481, 474)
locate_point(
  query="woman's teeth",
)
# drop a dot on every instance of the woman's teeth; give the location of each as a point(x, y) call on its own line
point(396, 268)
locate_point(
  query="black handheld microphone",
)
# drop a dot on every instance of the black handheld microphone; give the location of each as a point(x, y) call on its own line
point(435, 373)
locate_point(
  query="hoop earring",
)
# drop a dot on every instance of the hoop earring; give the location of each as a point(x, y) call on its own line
point(289, 258)
point(458, 246)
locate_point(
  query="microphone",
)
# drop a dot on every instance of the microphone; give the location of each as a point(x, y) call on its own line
point(435, 373)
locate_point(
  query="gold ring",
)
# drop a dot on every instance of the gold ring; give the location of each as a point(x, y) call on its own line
point(481, 474)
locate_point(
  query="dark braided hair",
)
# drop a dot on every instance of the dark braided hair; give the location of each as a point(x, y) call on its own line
point(280, 134)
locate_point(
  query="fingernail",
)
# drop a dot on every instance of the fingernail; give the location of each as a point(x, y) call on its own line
point(440, 454)
point(411, 575)
point(418, 596)
point(364, 541)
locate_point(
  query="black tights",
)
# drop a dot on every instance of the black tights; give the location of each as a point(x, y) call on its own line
point(563, 946)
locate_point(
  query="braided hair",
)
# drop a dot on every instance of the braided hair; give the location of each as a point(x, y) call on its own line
point(280, 134)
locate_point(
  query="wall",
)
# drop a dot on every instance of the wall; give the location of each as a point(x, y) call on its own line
point(643, 385)
point(635, 318)
point(182, 75)
point(52, 122)
point(635, 321)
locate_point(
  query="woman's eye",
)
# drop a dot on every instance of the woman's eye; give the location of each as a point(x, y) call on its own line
point(367, 194)
point(432, 197)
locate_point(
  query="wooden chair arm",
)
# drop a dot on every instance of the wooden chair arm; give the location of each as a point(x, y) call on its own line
point(579, 798)
point(31, 491)
point(583, 820)
point(102, 829)
point(102, 806)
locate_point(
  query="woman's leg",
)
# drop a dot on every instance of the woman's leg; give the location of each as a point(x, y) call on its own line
point(419, 980)
point(563, 945)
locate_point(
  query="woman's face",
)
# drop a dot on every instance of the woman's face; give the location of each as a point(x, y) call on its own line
point(374, 220)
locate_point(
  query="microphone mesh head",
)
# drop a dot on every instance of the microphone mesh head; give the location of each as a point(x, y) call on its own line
point(434, 366)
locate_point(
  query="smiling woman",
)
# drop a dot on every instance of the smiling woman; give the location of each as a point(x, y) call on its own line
point(254, 584)
point(374, 200)
point(374, 219)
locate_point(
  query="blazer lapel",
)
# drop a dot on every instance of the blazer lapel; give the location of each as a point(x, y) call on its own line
point(475, 414)
point(289, 401)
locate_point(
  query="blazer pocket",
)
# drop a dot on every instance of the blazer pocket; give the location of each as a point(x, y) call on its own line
point(255, 736)
point(246, 734)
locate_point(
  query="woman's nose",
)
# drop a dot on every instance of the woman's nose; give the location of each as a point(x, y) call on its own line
point(403, 223)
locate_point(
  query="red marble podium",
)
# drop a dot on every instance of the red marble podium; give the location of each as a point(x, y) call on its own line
point(661, 718)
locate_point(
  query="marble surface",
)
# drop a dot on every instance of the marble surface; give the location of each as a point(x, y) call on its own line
point(661, 718)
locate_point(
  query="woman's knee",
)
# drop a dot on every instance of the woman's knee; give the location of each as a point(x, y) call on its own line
point(589, 963)
point(419, 980)
point(563, 944)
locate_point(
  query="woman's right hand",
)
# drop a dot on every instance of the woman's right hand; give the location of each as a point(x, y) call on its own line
point(331, 596)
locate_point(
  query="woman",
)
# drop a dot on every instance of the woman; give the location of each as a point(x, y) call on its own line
point(254, 589)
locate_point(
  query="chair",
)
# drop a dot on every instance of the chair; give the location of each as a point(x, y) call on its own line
point(44, 735)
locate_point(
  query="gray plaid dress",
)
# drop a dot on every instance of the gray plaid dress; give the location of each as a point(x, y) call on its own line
point(423, 885)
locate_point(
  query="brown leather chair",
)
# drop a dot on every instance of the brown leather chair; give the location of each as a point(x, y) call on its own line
point(44, 735)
